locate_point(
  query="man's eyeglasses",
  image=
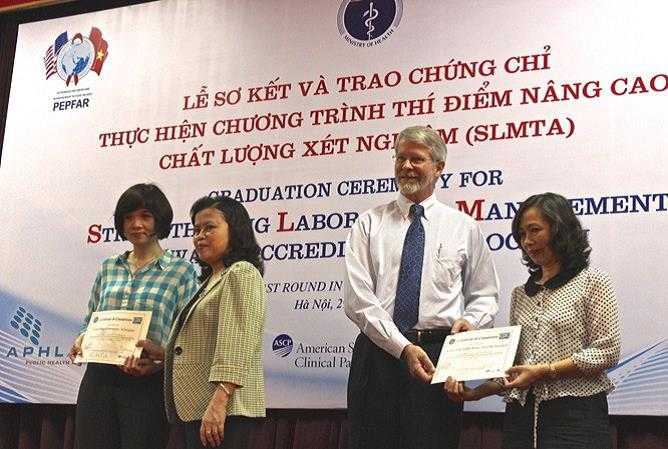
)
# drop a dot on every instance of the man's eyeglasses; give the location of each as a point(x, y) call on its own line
point(415, 161)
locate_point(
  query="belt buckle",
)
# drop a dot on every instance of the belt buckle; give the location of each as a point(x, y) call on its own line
point(418, 336)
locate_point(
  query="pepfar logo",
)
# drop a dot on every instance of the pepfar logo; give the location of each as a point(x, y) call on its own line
point(73, 59)
point(366, 23)
point(26, 324)
point(282, 345)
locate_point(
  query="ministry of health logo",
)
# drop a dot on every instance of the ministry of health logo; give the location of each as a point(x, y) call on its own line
point(366, 23)
point(72, 59)
point(26, 324)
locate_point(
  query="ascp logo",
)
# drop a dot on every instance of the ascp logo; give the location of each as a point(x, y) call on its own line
point(282, 345)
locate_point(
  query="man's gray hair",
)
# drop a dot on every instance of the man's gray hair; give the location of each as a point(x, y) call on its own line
point(425, 137)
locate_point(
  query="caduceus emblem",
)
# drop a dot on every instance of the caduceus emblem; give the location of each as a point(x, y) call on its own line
point(372, 13)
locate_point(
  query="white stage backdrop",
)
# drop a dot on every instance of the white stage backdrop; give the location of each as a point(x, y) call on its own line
point(291, 107)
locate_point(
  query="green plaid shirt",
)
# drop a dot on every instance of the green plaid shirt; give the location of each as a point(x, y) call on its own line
point(164, 286)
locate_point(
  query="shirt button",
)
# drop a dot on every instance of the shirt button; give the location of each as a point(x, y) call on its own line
point(178, 350)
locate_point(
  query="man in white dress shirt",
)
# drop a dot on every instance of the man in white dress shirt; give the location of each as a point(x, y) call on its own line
point(417, 270)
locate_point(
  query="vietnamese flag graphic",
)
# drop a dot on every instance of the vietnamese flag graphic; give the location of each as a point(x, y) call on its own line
point(100, 49)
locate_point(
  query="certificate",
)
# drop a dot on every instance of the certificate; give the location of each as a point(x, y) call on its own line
point(112, 336)
point(480, 354)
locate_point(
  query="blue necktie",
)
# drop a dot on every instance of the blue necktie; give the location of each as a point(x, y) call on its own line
point(407, 301)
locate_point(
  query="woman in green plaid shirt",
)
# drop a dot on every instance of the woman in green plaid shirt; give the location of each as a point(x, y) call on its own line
point(120, 406)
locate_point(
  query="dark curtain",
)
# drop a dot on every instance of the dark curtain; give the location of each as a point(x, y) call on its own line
point(8, 30)
point(52, 427)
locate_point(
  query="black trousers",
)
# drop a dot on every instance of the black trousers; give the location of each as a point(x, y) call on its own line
point(117, 411)
point(389, 409)
point(563, 423)
point(238, 430)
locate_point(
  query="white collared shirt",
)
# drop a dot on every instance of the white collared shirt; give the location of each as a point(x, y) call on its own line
point(458, 277)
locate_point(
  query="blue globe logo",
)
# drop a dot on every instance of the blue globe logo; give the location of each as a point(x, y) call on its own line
point(75, 58)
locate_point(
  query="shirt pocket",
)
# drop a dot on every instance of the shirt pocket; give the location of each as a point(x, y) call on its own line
point(448, 269)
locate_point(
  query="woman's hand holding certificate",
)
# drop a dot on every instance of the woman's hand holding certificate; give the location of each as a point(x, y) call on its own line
point(480, 354)
point(112, 336)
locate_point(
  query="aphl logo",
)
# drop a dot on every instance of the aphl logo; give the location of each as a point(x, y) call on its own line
point(30, 327)
point(26, 324)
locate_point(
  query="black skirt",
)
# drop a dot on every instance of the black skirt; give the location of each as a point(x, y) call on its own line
point(563, 423)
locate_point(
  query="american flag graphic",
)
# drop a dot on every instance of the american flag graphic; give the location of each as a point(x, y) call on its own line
point(51, 55)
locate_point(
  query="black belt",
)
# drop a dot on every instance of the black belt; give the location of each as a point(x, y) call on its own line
point(417, 336)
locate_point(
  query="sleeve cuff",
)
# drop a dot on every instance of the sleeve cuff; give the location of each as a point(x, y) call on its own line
point(586, 366)
point(227, 373)
point(482, 321)
point(398, 347)
point(499, 380)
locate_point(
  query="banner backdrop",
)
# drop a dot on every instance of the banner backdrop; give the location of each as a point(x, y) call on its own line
point(292, 108)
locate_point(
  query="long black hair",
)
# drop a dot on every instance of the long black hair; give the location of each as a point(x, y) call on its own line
point(568, 239)
point(242, 242)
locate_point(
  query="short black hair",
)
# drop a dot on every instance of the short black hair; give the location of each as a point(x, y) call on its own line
point(149, 197)
point(568, 239)
point(243, 245)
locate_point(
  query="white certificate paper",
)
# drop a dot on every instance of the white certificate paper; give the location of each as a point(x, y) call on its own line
point(112, 336)
point(480, 354)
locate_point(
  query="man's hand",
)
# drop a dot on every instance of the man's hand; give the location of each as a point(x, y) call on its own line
point(460, 325)
point(418, 363)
